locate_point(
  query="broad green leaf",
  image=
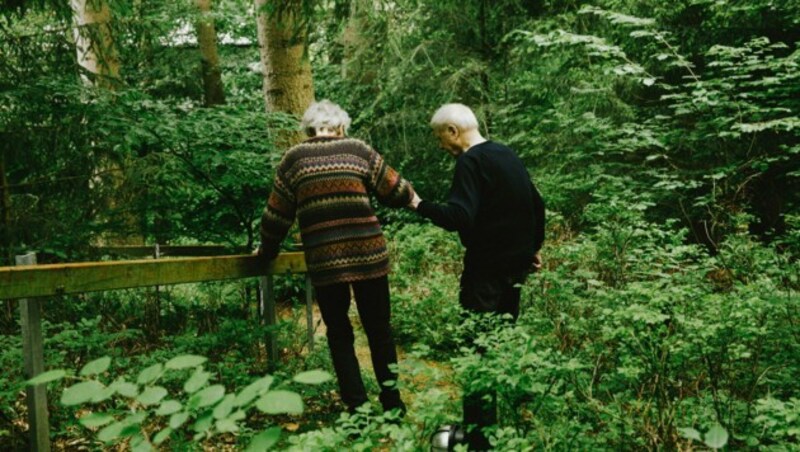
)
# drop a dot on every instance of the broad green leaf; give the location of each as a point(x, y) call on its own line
point(150, 374)
point(126, 427)
point(125, 389)
point(168, 407)
point(226, 426)
point(207, 396)
point(96, 367)
point(151, 395)
point(111, 432)
point(253, 390)
point(184, 361)
point(716, 437)
point(103, 394)
point(95, 420)
point(264, 440)
point(313, 377)
point(140, 444)
point(690, 433)
point(178, 419)
point(162, 436)
point(83, 392)
point(204, 422)
point(198, 379)
point(47, 377)
point(224, 408)
point(280, 402)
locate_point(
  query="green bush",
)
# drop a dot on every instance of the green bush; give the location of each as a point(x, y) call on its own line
point(142, 413)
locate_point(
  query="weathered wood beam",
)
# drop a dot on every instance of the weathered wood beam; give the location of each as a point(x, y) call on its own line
point(62, 279)
point(168, 250)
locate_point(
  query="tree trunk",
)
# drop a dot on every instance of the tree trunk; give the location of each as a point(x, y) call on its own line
point(5, 213)
point(95, 43)
point(207, 41)
point(97, 55)
point(7, 323)
point(288, 86)
point(486, 52)
point(354, 42)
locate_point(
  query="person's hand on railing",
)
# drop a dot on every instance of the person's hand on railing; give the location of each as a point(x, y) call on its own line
point(259, 252)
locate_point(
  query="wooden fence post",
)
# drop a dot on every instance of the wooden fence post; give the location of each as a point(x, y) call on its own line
point(310, 312)
point(267, 310)
point(153, 306)
point(33, 353)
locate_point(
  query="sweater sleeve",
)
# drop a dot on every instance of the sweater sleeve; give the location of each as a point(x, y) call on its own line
point(277, 217)
point(461, 208)
point(538, 218)
point(387, 184)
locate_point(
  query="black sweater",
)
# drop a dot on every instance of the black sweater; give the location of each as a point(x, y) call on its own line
point(496, 209)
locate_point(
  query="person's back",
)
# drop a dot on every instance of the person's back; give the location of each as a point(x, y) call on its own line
point(331, 179)
point(501, 238)
point(499, 216)
point(326, 182)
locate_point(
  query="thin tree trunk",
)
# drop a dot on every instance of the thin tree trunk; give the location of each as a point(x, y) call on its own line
point(6, 241)
point(354, 42)
point(97, 55)
point(94, 42)
point(214, 93)
point(288, 86)
point(486, 51)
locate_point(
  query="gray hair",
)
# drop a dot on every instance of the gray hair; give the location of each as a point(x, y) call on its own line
point(324, 114)
point(458, 115)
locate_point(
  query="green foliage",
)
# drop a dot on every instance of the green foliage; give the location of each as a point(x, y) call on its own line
point(662, 135)
point(143, 411)
point(675, 342)
point(426, 267)
point(704, 126)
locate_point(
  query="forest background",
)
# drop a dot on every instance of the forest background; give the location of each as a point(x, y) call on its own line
point(662, 135)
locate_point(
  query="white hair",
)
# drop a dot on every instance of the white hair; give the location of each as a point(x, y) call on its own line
point(458, 115)
point(324, 114)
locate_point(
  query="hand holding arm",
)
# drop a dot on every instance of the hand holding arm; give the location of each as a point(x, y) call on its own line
point(414, 202)
point(536, 264)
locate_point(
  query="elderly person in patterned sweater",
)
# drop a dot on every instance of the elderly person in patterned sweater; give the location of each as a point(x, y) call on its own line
point(326, 181)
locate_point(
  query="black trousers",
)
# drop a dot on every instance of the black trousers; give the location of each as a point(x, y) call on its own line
point(491, 295)
point(372, 301)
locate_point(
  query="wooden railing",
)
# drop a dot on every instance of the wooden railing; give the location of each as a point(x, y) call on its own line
point(29, 283)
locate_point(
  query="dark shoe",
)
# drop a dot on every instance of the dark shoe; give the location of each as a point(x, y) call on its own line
point(395, 415)
point(364, 408)
point(390, 400)
point(398, 406)
point(477, 441)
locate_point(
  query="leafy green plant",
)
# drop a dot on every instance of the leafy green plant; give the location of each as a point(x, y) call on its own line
point(146, 414)
point(780, 418)
point(716, 437)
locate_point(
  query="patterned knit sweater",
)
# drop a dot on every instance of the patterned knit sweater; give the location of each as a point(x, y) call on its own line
point(326, 181)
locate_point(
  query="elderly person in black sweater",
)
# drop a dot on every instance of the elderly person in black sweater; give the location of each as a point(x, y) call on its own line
point(499, 216)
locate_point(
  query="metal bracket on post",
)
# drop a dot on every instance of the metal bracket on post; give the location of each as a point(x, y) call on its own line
point(33, 354)
point(267, 309)
point(310, 312)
